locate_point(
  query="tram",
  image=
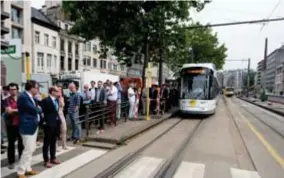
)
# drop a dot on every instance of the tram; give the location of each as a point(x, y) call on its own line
point(199, 89)
point(229, 91)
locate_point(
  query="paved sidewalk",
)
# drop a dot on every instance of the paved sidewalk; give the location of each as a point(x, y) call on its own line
point(273, 107)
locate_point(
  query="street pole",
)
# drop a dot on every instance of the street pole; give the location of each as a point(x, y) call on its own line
point(28, 69)
point(248, 77)
point(192, 55)
point(148, 85)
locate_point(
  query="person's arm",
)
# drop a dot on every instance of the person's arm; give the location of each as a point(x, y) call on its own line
point(23, 105)
point(77, 104)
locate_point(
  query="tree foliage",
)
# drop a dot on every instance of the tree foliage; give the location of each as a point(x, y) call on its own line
point(129, 26)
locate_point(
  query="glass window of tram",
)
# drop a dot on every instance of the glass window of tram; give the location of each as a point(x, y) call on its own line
point(195, 83)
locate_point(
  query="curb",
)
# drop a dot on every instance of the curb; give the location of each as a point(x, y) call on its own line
point(264, 107)
point(123, 139)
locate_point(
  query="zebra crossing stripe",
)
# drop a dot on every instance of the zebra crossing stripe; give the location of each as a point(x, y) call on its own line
point(239, 173)
point(141, 168)
point(71, 165)
point(4, 156)
point(190, 170)
point(5, 171)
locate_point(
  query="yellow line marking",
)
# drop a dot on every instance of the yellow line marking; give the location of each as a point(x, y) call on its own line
point(268, 147)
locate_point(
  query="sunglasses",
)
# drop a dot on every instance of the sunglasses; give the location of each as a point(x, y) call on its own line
point(13, 89)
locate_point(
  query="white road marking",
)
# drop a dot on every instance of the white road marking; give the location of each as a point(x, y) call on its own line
point(69, 166)
point(4, 156)
point(142, 168)
point(238, 173)
point(190, 170)
point(36, 159)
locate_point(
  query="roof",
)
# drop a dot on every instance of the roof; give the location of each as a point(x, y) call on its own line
point(41, 19)
point(206, 65)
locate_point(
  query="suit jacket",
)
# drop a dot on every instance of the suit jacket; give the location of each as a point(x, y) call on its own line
point(50, 112)
point(28, 114)
point(103, 96)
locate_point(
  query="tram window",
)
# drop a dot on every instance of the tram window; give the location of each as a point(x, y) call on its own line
point(194, 86)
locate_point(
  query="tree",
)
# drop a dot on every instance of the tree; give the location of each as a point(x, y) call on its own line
point(129, 26)
point(252, 74)
point(203, 44)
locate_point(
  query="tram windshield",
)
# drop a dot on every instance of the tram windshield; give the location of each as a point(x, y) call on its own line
point(197, 83)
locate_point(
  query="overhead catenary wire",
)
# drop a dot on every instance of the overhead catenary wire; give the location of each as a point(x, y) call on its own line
point(236, 23)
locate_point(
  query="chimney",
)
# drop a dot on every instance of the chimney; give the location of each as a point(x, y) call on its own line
point(43, 9)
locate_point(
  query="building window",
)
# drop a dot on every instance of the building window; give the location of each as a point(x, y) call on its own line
point(89, 46)
point(95, 49)
point(16, 15)
point(69, 47)
point(103, 64)
point(115, 67)
point(89, 62)
point(37, 37)
point(40, 61)
point(62, 45)
point(17, 33)
point(76, 64)
point(109, 66)
point(55, 62)
point(66, 26)
point(62, 63)
point(69, 64)
point(84, 62)
point(76, 48)
point(122, 67)
point(59, 24)
point(48, 60)
point(54, 41)
point(46, 40)
point(94, 62)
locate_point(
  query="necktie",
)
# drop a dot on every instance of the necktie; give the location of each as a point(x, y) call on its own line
point(56, 104)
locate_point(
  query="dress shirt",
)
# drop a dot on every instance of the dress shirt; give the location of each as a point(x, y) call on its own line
point(112, 94)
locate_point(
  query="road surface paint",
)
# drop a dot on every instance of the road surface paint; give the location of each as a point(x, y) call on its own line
point(35, 160)
point(143, 167)
point(266, 144)
point(71, 165)
point(4, 156)
point(238, 173)
point(190, 170)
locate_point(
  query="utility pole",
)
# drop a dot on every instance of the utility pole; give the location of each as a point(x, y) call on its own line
point(192, 55)
point(248, 77)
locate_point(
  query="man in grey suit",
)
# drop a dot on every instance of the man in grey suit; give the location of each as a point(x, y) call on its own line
point(101, 101)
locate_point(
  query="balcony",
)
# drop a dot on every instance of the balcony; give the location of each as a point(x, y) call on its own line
point(4, 15)
point(4, 30)
point(70, 55)
point(18, 4)
point(4, 44)
point(62, 53)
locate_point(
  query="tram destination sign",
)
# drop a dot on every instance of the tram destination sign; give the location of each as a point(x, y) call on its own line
point(195, 71)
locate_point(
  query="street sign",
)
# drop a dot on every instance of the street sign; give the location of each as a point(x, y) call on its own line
point(10, 50)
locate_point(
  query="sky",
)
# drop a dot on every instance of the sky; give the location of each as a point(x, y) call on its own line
point(242, 41)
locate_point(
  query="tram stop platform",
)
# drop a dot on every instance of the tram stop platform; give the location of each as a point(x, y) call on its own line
point(115, 136)
point(270, 106)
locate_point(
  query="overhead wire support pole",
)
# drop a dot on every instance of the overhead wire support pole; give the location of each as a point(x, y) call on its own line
point(236, 23)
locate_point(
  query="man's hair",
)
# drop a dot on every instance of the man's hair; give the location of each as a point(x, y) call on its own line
point(51, 89)
point(93, 81)
point(13, 85)
point(30, 84)
point(5, 88)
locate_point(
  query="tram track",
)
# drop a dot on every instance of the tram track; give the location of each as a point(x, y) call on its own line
point(171, 161)
point(263, 122)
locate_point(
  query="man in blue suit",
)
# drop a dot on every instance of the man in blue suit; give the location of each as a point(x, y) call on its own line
point(29, 117)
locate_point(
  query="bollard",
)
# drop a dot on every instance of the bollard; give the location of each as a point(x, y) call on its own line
point(87, 122)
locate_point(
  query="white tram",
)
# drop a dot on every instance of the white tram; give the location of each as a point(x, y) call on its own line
point(199, 89)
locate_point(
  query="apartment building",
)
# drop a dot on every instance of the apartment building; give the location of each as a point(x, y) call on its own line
point(17, 37)
point(45, 40)
point(272, 74)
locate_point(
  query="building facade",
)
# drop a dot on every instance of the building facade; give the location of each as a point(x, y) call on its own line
point(46, 47)
point(272, 74)
point(18, 36)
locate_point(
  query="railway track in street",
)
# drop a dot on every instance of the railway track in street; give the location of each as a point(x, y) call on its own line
point(167, 145)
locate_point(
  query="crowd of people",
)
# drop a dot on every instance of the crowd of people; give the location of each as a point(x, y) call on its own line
point(25, 113)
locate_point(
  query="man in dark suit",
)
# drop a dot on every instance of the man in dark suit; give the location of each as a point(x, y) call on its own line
point(29, 117)
point(51, 126)
point(101, 101)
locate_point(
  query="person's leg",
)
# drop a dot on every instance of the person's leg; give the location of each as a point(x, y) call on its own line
point(77, 126)
point(73, 125)
point(118, 109)
point(20, 144)
point(53, 138)
point(11, 135)
point(46, 145)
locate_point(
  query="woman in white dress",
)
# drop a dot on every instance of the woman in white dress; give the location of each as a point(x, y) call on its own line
point(63, 129)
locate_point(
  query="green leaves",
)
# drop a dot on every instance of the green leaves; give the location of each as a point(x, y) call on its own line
point(126, 27)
